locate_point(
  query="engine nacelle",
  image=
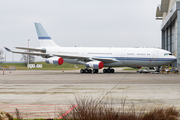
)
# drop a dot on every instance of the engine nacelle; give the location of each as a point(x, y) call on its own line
point(95, 64)
point(55, 60)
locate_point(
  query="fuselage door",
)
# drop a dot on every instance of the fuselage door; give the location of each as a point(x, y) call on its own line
point(56, 50)
point(84, 52)
point(155, 54)
point(123, 54)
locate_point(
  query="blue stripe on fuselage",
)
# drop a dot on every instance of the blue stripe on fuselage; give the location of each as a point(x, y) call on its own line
point(146, 59)
point(140, 59)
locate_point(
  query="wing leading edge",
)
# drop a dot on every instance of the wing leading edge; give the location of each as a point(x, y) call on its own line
point(43, 50)
point(30, 53)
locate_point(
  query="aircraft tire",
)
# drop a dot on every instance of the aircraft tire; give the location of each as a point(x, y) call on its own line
point(90, 71)
point(86, 71)
point(95, 70)
point(112, 70)
point(104, 70)
point(108, 70)
point(81, 71)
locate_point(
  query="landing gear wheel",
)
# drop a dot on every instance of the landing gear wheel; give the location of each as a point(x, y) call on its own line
point(86, 71)
point(90, 71)
point(108, 70)
point(81, 71)
point(95, 70)
point(112, 70)
point(104, 70)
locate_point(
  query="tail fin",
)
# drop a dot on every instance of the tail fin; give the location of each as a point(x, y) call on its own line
point(44, 39)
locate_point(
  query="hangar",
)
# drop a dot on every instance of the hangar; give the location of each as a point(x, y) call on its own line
point(169, 12)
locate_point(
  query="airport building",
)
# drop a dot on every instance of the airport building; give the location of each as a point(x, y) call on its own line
point(169, 12)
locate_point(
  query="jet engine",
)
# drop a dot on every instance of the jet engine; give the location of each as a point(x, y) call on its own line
point(95, 64)
point(55, 60)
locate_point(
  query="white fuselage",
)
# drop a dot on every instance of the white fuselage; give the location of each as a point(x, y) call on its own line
point(132, 57)
point(111, 57)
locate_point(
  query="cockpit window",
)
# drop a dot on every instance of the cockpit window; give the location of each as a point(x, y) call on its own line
point(167, 54)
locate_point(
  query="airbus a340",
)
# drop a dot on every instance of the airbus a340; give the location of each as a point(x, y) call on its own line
point(96, 57)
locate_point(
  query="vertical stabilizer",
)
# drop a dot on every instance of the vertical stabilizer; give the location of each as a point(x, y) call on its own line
point(44, 39)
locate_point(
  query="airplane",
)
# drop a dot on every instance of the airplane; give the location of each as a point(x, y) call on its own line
point(96, 57)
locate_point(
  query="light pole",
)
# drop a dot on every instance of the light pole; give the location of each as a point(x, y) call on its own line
point(5, 56)
point(28, 55)
point(12, 58)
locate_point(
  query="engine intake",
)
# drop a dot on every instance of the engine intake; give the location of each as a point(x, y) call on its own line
point(55, 60)
point(95, 64)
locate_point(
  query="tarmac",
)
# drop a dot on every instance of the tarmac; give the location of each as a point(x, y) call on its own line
point(52, 88)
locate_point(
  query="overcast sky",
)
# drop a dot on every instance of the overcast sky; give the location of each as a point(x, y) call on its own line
point(85, 23)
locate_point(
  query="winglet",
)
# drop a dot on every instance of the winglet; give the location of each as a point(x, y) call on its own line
point(8, 49)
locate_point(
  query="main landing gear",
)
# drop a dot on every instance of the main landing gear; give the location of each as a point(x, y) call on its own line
point(109, 70)
point(89, 71)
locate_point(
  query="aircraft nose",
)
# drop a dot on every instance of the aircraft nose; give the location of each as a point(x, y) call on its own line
point(173, 58)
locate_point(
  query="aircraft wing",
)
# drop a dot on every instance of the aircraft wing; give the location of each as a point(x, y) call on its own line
point(85, 58)
point(105, 59)
point(30, 53)
point(33, 49)
point(80, 58)
point(73, 57)
point(49, 55)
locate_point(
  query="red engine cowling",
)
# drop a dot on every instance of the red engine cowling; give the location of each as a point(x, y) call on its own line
point(55, 60)
point(95, 64)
